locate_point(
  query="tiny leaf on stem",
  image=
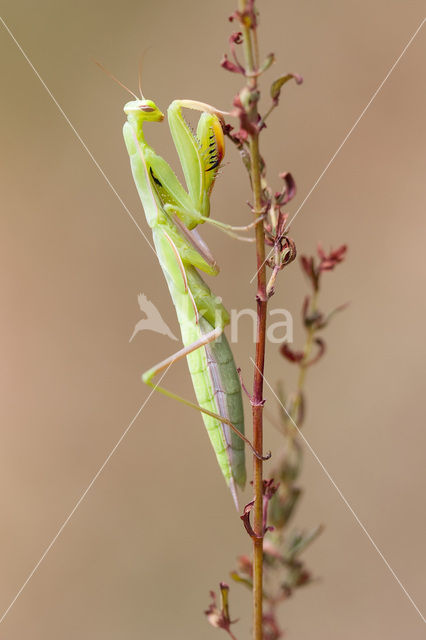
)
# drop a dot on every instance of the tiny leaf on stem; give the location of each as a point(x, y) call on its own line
point(278, 84)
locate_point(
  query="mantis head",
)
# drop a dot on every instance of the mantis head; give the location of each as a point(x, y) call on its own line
point(144, 109)
point(139, 109)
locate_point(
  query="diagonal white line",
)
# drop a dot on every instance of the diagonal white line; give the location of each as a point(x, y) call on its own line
point(358, 119)
point(345, 139)
point(83, 495)
point(339, 491)
point(80, 139)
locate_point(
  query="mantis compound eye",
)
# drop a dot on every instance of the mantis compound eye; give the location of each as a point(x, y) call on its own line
point(145, 109)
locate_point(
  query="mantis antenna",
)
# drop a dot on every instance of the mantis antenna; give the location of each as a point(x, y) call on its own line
point(111, 75)
point(140, 74)
point(140, 67)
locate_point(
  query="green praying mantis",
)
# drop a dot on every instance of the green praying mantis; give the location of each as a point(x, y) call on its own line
point(173, 215)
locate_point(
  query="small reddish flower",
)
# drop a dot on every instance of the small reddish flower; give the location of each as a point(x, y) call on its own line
point(328, 262)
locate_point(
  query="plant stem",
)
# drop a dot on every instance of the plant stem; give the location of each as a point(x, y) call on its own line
point(258, 402)
point(251, 55)
point(303, 365)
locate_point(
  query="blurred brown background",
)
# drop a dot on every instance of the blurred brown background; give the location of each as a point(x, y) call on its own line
point(157, 530)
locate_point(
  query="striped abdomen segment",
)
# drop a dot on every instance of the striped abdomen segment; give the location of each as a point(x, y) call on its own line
point(218, 389)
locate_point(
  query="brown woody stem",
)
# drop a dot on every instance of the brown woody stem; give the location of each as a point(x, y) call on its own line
point(261, 301)
point(251, 54)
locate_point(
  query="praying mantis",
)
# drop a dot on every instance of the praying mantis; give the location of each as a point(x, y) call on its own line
point(173, 213)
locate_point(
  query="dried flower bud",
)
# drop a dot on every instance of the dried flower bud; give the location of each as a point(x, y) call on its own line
point(269, 61)
point(236, 38)
point(246, 519)
point(270, 628)
point(289, 190)
point(249, 98)
point(220, 618)
point(231, 66)
point(290, 354)
point(321, 350)
point(241, 102)
point(328, 262)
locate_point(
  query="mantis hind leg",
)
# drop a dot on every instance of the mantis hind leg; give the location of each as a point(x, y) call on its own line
point(164, 365)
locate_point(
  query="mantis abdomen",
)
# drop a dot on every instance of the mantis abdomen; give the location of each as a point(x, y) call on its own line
point(213, 372)
point(218, 390)
point(222, 370)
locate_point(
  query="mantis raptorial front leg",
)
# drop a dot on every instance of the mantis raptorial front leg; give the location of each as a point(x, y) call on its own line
point(173, 213)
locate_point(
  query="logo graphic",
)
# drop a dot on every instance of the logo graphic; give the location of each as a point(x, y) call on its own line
point(153, 320)
point(277, 332)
